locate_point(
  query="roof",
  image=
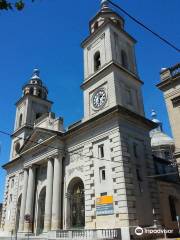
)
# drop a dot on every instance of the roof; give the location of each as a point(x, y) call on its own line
point(158, 137)
point(161, 139)
point(127, 114)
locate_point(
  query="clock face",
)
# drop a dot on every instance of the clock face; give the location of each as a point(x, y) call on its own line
point(99, 98)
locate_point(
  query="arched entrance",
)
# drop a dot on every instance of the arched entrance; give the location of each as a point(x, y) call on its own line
point(18, 212)
point(76, 203)
point(41, 211)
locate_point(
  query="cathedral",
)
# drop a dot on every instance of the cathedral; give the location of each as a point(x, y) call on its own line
point(94, 174)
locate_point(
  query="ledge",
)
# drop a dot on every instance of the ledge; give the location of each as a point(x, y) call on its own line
point(106, 66)
point(86, 41)
point(102, 116)
point(116, 109)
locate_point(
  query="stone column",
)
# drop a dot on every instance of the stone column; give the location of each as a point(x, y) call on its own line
point(23, 201)
point(30, 198)
point(57, 189)
point(49, 192)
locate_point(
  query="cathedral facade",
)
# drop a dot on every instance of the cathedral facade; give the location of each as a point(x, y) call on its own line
point(94, 174)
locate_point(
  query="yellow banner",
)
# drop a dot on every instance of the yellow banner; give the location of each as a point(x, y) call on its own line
point(104, 200)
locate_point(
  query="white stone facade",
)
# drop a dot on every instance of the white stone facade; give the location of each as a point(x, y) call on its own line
point(58, 175)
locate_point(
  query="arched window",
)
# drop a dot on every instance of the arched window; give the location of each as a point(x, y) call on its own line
point(76, 203)
point(39, 93)
point(118, 23)
point(124, 59)
point(31, 91)
point(12, 182)
point(97, 61)
point(20, 120)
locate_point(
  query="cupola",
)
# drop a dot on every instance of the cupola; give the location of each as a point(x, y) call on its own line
point(158, 137)
point(105, 14)
point(35, 86)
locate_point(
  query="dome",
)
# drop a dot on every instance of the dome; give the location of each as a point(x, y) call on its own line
point(161, 139)
point(158, 137)
point(35, 87)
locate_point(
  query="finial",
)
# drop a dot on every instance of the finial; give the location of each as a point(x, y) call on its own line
point(35, 74)
point(163, 69)
point(156, 120)
point(104, 4)
point(153, 113)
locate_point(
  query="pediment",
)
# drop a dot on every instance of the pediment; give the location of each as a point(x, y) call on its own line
point(38, 136)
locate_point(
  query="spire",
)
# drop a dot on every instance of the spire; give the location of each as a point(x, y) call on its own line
point(104, 5)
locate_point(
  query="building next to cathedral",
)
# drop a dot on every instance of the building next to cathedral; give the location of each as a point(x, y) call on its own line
point(95, 174)
point(170, 85)
point(166, 174)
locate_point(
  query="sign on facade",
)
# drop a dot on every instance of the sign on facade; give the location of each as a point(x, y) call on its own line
point(104, 205)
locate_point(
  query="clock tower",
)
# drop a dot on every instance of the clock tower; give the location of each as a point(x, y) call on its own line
point(110, 71)
point(32, 105)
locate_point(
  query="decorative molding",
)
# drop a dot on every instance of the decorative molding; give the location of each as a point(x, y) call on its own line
point(93, 44)
point(71, 170)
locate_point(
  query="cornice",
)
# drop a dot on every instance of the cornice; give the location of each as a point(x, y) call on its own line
point(107, 66)
point(114, 110)
point(32, 96)
point(101, 28)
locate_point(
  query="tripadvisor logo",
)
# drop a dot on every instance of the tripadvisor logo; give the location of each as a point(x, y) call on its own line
point(139, 231)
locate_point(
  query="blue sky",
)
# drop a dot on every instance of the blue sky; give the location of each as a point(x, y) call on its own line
point(47, 35)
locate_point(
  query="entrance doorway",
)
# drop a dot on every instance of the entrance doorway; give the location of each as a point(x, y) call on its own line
point(76, 203)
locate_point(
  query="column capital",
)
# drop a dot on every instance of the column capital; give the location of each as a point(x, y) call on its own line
point(31, 166)
point(61, 154)
point(57, 156)
point(50, 158)
point(25, 169)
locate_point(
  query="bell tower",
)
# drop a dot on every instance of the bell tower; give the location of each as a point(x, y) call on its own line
point(110, 71)
point(29, 107)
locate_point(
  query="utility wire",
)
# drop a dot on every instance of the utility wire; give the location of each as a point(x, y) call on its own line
point(144, 26)
point(45, 145)
point(80, 154)
point(49, 146)
point(164, 174)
